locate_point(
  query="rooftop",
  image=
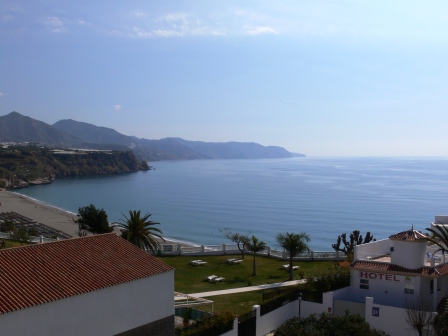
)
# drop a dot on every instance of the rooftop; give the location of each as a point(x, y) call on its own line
point(383, 266)
point(37, 274)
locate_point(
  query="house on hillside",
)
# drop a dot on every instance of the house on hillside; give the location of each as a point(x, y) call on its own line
point(94, 285)
point(392, 275)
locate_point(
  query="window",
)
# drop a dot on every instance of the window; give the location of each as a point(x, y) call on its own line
point(364, 284)
point(431, 286)
point(408, 289)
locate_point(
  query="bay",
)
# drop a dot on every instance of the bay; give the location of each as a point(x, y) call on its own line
point(195, 200)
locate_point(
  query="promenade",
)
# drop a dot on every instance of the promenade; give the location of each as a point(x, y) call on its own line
point(241, 289)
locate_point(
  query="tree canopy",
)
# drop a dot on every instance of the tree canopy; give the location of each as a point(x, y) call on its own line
point(294, 243)
point(140, 231)
point(254, 245)
point(92, 220)
point(355, 238)
point(239, 239)
point(439, 237)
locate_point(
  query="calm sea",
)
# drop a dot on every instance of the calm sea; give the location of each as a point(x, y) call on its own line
point(194, 200)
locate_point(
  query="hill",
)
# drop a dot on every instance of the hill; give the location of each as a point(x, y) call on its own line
point(15, 127)
point(68, 133)
point(21, 166)
point(172, 148)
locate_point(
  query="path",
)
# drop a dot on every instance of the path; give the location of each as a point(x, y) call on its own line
point(242, 289)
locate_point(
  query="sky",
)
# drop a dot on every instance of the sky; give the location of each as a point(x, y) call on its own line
point(323, 78)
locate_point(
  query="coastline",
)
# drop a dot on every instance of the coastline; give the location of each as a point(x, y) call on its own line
point(47, 214)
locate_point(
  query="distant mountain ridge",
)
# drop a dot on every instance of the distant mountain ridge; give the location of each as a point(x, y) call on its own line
point(15, 127)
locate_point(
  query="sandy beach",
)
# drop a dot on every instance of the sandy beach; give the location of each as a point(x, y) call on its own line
point(45, 214)
point(39, 212)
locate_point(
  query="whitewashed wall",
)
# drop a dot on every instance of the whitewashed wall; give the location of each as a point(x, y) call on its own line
point(389, 319)
point(103, 312)
point(276, 318)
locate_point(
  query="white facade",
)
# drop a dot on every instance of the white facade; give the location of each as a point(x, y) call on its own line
point(108, 311)
point(387, 276)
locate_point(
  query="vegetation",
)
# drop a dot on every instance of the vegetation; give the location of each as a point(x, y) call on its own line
point(192, 279)
point(355, 238)
point(20, 165)
point(21, 235)
point(213, 326)
point(7, 226)
point(440, 322)
point(140, 231)
point(329, 279)
point(328, 325)
point(92, 220)
point(439, 237)
point(239, 239)
point(294, 243)
point(418, 314)
point(254, 245)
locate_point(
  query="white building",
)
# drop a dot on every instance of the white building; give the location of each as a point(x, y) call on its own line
point(389, 276)
point(95, 285)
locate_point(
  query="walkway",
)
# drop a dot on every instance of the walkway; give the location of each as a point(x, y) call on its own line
point(242, 289)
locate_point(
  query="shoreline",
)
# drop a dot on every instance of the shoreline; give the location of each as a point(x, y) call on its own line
point(50, 215)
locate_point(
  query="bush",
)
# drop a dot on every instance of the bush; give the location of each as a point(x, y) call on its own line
point(329, 280)
point(212, 326)
point(328, 325)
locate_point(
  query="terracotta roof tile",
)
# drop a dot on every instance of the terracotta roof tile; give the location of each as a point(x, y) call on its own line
point(376, 266)
point(409, 235)
point(36, 274)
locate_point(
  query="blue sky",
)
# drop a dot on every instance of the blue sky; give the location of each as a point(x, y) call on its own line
point(324, 78)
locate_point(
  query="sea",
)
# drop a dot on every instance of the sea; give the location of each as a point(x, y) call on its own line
point(196, 201)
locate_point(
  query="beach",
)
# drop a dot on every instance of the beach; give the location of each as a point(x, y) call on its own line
point(54, 217)
point(39, 212)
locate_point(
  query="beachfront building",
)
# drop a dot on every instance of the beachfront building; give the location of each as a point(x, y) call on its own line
point(94, 285)
point(392, 275)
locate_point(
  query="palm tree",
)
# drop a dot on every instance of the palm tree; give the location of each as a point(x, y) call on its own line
point(294, 243)
point(139, 230)
point(439, 237)
point(254, 245)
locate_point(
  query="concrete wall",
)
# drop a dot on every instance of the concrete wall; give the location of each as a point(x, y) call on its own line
point(276, 318)
point(341, 307)
point(389, 319)
point(373, 249)
point(108, 311)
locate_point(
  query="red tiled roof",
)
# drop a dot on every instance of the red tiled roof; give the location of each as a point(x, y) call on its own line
point(375, 266)
point(409, 235)
point(36, 274)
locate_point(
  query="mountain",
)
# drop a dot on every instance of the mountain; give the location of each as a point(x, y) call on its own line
point(172, 148)
point(15, 127)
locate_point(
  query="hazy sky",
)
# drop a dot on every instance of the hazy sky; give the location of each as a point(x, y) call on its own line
point(324, 78)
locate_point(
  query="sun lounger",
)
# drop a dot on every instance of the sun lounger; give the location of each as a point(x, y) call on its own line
point(219, 279)
point(234, 261)
point(198, 262)
point(286, 267)
point(212, 278)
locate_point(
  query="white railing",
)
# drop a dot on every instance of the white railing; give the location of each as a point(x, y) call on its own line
point(32, 239)
point(224, 249)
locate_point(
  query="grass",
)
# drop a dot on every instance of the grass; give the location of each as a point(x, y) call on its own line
point(13, 243)
point(192, 279)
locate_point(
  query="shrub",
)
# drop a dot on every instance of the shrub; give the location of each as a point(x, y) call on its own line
point(212, 326)
point(328, 325)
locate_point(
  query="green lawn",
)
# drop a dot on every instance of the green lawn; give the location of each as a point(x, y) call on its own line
point(192, 279)
point(13, 243)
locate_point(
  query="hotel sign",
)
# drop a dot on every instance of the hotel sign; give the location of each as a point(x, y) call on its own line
point(385, 277)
